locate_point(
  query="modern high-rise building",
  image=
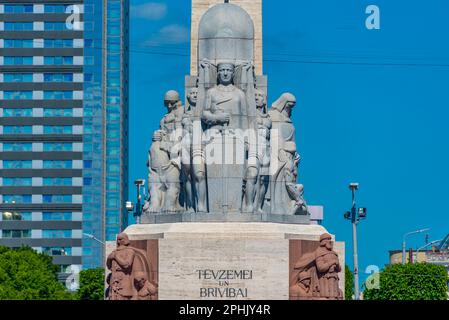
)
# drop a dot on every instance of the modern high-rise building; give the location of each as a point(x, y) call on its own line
point(63, 126)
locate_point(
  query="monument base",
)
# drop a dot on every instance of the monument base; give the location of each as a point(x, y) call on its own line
point(220, 217)
point(233, 260)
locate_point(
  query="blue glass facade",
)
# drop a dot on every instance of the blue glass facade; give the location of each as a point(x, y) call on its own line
point(105, 124)
point(63, 126)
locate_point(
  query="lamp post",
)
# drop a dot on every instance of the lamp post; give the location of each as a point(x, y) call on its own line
point(140, 183)
point(404, 237)
point(91, 236)
point(426, 245)
point(355, 216)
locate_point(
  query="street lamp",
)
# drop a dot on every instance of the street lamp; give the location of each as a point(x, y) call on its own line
point(355, 216)
point(404, 237)
point(427, 244)
point(140, 183)
point(92, 237)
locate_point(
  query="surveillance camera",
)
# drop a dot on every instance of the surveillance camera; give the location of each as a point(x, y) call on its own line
point(129, 206)
point(362, 212)
point(354, 186)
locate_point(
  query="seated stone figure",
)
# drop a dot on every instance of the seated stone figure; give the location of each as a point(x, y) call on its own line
point(225, 113)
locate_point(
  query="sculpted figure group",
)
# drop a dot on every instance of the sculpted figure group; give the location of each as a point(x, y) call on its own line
point(225, 152)
point(130, 271)
point(317, 273)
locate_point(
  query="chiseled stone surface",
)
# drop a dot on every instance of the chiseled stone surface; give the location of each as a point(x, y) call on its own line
point(260, 251)
point(254, 9)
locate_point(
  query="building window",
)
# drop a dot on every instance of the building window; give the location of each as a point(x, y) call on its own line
point(88, 43)
point(58, 43)
point(112, 218)
point(56, 198)
point(17, 129)
point(57, 146)
point(17, 216)
point(18, 8)
point(16, 233)
point(50, 112)
point(17, 112)
point(87, 181)
point(17, 164)
point(18, 43)
point(56, 233)
point(57, 164)
point(57, 181)
point(58, 60)
point(89, 61)
point(57, 216)
point(113, 184)
point(55, 8)
point(55, 26)
point(18, 26)
point(57, 129)
point(18, 77)
point(87, 164)
point(88, 77)
point(17, 60)
point(17, 146)
point(17, 181)
point(58, 77)
point(58, 95)
point(17, 198)
point(57, 251)
point(17, 95)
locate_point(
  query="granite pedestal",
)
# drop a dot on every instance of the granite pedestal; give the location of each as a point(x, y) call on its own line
point(226, 260)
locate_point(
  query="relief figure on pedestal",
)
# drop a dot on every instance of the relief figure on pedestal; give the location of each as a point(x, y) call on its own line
point(120, 262)
point(317, 273)
point(130, 270)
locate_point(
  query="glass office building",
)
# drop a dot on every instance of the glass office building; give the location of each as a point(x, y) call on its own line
point(63, 126)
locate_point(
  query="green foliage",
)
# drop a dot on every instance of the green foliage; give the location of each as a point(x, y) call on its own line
point(349, 283)
point(417, 281)
point(91, 284)
point(28, 275)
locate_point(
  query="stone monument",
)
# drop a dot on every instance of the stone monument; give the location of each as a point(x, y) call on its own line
point(225, 214)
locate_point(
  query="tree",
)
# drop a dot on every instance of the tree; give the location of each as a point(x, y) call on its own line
point(91, 284)
point(349, 283)
point(28, 275)
point(411, 281)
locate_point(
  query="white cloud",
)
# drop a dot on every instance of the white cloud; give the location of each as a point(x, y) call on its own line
point(149, 11)
point(171, 34)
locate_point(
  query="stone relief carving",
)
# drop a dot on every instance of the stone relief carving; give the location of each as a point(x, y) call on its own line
point(130, 272)
point(316, 273)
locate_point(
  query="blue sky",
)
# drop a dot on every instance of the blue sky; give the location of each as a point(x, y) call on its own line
point(373, 106)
